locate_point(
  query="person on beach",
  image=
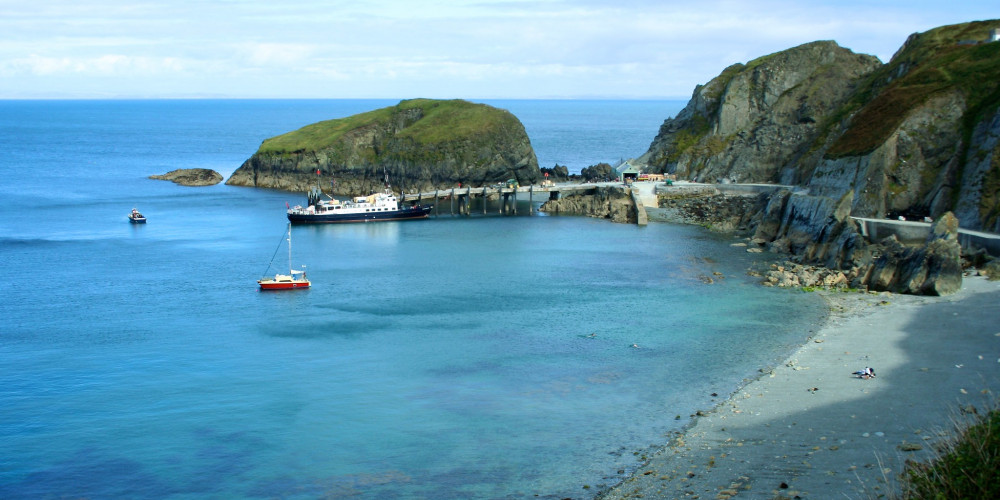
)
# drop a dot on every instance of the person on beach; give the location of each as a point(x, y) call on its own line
point(866, 374)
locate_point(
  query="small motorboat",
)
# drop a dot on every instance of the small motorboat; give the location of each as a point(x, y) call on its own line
point(136, 218)
point(294, 279)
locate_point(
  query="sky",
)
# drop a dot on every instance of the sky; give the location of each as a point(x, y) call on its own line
point(469, 49)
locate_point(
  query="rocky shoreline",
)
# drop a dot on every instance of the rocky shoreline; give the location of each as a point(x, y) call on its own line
point(824, 245)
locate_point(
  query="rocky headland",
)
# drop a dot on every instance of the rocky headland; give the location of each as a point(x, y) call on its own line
point(421, 144)
point(191, 177)
point(917, 138)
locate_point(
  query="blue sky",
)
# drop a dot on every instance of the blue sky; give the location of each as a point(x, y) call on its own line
point(426, 48)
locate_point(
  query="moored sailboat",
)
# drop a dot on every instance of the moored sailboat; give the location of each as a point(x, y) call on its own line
point(294, 279)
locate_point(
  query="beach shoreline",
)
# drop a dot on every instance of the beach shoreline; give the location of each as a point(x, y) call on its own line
point(810, 429)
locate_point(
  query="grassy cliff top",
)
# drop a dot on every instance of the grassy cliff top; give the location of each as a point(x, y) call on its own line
point(935, 61)
point(440, 121)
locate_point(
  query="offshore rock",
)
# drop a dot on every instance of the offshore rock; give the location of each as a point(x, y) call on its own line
point(191, 177)
point(608, 202)
point(421, 144)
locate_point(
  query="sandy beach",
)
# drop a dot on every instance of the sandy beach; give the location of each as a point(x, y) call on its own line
point(810, 429)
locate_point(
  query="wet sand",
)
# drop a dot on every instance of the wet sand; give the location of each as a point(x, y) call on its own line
point(810, 429)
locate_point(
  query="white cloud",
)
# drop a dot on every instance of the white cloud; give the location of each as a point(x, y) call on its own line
point(100, 66)
point(277, 54)
point(396, 48)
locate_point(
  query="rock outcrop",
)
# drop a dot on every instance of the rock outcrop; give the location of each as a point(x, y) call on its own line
point(608, 202)
point(420, 144)
point(918, 136)
point(706, 206)
point(753, 122)
point(932, 269)
point(191, 177)
point(826, 245)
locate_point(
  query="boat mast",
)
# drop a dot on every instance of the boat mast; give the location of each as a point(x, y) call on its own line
point(290, 248)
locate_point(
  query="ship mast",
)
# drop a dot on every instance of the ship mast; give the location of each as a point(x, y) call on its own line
point(290, 248)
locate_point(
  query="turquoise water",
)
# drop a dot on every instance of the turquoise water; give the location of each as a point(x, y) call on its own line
point(454, 357)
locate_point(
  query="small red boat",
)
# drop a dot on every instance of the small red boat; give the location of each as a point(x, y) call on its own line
point(294, 279)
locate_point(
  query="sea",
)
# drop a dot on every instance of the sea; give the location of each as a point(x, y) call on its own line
point(482, 356)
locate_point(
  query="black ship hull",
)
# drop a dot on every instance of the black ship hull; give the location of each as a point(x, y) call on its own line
point(414, 212)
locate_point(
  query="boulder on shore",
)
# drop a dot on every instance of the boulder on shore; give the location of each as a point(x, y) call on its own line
point(191, 177)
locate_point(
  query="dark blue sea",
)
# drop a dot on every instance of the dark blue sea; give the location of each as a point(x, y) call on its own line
point(456, 357)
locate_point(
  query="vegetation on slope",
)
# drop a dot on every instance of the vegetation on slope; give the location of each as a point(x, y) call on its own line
point(930, 63)
point(439, 121)
point(967, 467)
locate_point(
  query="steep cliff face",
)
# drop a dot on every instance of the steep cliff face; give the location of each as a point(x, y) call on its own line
point(917, 136)
point(753, 122)
point(979, 185)
point(421, 144)
point(911, 172)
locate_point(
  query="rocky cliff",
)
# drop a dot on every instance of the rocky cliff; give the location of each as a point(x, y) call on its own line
point(917, 136)
point(421, 144)
point(753, 122)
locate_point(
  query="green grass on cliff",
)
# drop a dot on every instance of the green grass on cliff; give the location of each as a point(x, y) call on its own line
point(442, 121)
point(967, 467)
point(933, 62)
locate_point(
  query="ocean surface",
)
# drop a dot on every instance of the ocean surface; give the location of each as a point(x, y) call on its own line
point(454, 357)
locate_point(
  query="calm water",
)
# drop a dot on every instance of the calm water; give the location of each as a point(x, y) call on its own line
point(480, 357)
